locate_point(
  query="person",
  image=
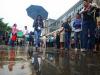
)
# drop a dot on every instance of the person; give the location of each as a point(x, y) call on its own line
point(38, 25)
point(58, 40)
point(26, 41)
point(97, 2)
point(14, 29)
point(44, 46)
point(97, 37)
point(62, 40)
point(6, 38)
point(51, 41)
point(31, 39)
point(47, 41)
point(67, 31)
point(88, 27)
point(77, 30)
point(44, 41)
point(26, 35)
point(14, 34)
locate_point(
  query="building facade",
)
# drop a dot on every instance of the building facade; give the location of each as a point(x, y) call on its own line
point(47, 26)
point(70, 14)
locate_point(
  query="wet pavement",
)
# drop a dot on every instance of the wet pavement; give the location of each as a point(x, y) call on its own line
point(16, 61)
point(74, 63)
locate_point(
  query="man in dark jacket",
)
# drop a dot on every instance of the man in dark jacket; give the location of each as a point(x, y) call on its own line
point(88, 27)
point(67, 30)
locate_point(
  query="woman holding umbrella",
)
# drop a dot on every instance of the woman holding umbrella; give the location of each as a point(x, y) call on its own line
point(38, 13)
point(38, 25)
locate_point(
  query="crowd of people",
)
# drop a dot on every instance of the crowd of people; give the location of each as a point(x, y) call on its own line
point(86, 32)
point(12, 38)
point(86, 29)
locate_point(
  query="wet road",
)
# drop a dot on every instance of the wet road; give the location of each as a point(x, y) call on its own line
point(74, 63)
point(16, 61)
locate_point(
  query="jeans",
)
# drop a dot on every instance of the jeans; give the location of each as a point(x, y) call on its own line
point(37, 35)
point(88, 34)
point(77, 38)
point(67, 39)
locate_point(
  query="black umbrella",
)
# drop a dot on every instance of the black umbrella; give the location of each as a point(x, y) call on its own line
point(34, 10)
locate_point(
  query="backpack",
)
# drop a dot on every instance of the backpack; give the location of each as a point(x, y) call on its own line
point(14, 37)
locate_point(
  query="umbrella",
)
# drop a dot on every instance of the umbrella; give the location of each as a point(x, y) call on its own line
point(34, 10)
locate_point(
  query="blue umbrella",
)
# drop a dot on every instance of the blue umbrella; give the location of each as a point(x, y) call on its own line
point(34, 10)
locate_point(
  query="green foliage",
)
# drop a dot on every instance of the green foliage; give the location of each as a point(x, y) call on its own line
point(4, 26)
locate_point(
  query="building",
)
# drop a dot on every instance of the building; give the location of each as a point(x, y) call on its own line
point(70, 14)
point(47, 26)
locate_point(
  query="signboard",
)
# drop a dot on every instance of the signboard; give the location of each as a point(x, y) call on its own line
point(20, 34)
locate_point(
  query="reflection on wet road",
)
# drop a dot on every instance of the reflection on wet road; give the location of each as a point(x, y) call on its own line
point(13, 62)
point(74, 63)
point(16, 61)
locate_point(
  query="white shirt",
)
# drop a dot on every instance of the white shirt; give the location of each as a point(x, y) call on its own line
point(77, 30)
point(25, 33)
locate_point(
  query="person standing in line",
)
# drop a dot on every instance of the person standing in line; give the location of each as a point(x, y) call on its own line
point(67, 31)
point(97, 2)
point(97, 37)
point(88, 27)
point(44, 46)
point(77, 31)
point(44, 41)
point(58, 40)
point(62, 40)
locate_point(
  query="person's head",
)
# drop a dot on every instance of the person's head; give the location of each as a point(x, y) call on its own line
point(94, 5)
point(66, 20)
point(86, 3)
point(25, 27)
point(39, 17)
point(6, 33)
point(78, 16)
point(90, 1)
point(15, 25)
point(98, 23)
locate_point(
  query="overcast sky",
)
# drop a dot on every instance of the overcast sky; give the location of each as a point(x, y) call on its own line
point(14, 11)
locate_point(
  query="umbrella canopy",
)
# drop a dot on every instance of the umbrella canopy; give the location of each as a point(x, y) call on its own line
point(34, 10)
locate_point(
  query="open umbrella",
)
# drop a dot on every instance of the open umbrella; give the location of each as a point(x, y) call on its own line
point(34, 10)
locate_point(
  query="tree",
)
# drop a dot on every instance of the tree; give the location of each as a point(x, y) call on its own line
point(4, 26)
